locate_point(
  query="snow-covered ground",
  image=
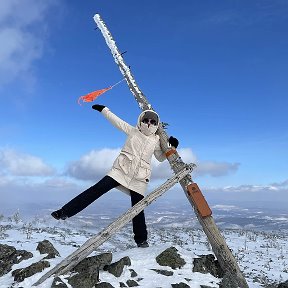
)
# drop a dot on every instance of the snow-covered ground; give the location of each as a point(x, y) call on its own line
point(262, 256)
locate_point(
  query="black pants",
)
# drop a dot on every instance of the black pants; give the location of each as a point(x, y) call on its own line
point(84, 199)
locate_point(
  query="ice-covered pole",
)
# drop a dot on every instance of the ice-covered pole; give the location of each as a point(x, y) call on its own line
point(140, 97)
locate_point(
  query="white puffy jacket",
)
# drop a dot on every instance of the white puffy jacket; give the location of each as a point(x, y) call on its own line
point(132, 168)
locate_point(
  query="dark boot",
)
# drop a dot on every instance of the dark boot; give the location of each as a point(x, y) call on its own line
point(59, 214)
point(143, 244)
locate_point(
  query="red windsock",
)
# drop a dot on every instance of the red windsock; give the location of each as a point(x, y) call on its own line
point(93, 95)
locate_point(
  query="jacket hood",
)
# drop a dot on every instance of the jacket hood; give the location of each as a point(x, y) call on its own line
point(151, 115)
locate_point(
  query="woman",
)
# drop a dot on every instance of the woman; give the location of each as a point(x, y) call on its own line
point(131, 170)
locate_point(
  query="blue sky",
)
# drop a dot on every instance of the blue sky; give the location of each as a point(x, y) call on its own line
point(216, 71)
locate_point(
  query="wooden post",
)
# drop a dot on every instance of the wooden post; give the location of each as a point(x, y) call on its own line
point(221, 250)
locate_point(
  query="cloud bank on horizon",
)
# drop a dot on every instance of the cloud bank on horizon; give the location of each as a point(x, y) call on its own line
point(29, 176)
point(96, 163)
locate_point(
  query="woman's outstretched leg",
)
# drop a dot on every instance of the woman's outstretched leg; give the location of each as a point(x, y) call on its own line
point(139, 225)
point(84, 199)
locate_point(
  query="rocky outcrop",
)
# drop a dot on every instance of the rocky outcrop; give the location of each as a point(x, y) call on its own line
point(99, 261)
point(283, 285)
point(58, 283)
point(9, 256)
point(171, 258)
point(104, 285)
point(87, 271)
point(117, 268)
point(132, 283)
point(85, 279)
point(163, 272)
point(133, 273)
point(46, 247)
point(207, 264)
point(20, 274)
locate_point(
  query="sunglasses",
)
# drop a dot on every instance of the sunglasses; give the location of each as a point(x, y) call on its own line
point(151, 121)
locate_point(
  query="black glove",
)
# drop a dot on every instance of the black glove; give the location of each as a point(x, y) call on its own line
point(173, 142)
point(98, 107)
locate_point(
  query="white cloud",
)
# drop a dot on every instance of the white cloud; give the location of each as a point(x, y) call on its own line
point(59, 182)
point(19, 164)
point(22, 36)
point(162, 170)
point(216, 169)
point(246, 188)
point(93, 165)
point(97, 163)
point(252, 190)
point(283, 184)
point(212, 168)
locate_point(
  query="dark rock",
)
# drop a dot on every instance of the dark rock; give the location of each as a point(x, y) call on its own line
point(58, 283)
point(46, 247)
point(103, 285)
point(88, 271)
point(180, 285)
point(208, 264)
point(20, 274)
point(117, 268)
point(205, 286)
point(6, 251)
point(6, 258)
point(85, 279)
point(10, 256)
point(98, 261)
point(122, 284)
point(272, 285)
point(283, 285)
point(170, 258)
point(132, 283)
point(163, 272)
point(187, 279)
point(133, 273)
point(22, 255)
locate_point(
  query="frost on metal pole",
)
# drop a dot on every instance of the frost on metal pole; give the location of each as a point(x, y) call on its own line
point(192, 191)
